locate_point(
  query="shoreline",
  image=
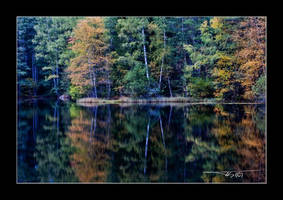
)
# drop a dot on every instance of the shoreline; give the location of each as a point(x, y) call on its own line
point(162, 100)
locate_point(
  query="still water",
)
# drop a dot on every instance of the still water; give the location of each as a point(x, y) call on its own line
point(65, 142)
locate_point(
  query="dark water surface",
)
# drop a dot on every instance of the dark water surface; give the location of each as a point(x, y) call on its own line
point(64, 142)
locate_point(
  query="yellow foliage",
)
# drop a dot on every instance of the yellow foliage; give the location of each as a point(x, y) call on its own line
point(216, 22)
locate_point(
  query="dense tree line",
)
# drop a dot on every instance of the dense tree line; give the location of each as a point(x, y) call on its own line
point(106, 57)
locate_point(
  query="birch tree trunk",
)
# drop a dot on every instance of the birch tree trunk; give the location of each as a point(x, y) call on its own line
point(57, 71)
point(54, 81)
point(164, 44)
point(33, 74)
point(144, 51)
point(169, 86)
point(53, 70)
point(90, 73)
point(55, 116)
point(183, 40)
point(57, 74)
point(92, 76)
point(108, 81)
point(57, 67)
point(94, 81)
point(109, 88)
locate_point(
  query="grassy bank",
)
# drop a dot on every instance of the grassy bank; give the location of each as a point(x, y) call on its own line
point(156, 100)
point(132, 100)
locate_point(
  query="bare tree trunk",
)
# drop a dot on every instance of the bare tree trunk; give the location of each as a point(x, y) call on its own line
point(93, 78)
point(144, 51)
point(109, 90)
point(53, 70)
point(55, 116)
point(169, 86)
point(57, 67)
point(34, 78)
point(32, 75)
point(94, 81)
point(54, 81)
point(164, 38)
point(57, 73)
point(36, 75)
point(18, 76)
point(183, 41)
point(109, 86)
point(90, 72)
point(185, 88)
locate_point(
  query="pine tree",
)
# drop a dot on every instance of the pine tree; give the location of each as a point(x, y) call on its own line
point(52, 55)
point(26, 71)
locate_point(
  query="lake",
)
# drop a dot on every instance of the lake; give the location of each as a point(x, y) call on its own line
point(171, 143)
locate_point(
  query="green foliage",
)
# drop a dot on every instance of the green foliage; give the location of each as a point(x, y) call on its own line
point(200, 87)
point(52, 54)
point(25, 34)
point(75, 92)
point(259, 88)
point(136, 83)
point(184, 55)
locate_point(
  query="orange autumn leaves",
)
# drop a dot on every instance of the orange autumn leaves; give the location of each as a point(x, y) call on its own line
point(251, 39)
point(89, 46)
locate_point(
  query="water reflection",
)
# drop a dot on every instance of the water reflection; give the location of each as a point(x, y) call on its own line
point(140, 143)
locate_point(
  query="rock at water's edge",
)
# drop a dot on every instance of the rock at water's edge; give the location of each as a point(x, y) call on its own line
point(64, 97)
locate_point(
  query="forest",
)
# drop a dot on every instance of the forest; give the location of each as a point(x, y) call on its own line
point(217, 58)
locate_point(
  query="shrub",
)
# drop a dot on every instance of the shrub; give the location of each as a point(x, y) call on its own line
point(136, 83)
point(201, 88)
point(260, 87)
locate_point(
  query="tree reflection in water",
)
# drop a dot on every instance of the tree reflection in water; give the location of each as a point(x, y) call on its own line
point(141, 143)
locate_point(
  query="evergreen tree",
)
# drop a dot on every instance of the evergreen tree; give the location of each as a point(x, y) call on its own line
point(26, 71)
point(52, 55)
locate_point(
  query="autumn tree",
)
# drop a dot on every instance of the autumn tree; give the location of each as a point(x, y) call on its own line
point(251, 37)
point(200, 57)
point(90, 60)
